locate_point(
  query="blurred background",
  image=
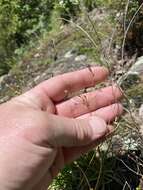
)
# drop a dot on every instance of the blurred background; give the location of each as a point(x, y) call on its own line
point(42, 38)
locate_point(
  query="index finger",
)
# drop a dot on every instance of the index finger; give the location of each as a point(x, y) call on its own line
point(57, 88)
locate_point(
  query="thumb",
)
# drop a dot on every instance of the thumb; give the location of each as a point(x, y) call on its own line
point(75, 132)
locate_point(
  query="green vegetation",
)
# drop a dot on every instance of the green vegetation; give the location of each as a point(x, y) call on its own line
point(21, 22)
point(92, 171)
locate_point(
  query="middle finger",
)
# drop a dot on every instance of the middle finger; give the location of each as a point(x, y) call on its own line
point(89, 102)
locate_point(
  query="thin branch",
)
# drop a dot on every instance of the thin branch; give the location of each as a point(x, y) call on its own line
point(136, 173)
point(128, 28)
point(83, 30)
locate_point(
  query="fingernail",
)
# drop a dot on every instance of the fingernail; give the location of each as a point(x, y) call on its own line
point(99, 127)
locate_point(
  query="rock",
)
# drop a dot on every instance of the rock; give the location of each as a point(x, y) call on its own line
point(98, 15)
point(4, 99)
point(37, 78)
point(2, 78)
point(141, 132)
point(117, 144)
point(70, 53)
point(81, 58)
point(141, 112)
point(37, 55)
point(134, 75)
point(137, 68)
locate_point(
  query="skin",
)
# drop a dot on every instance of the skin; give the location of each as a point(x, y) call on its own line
point(40, 131)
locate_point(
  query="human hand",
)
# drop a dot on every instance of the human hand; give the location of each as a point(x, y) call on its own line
point(40, 132)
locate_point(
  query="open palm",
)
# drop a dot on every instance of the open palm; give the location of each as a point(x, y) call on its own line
point(40, 131)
